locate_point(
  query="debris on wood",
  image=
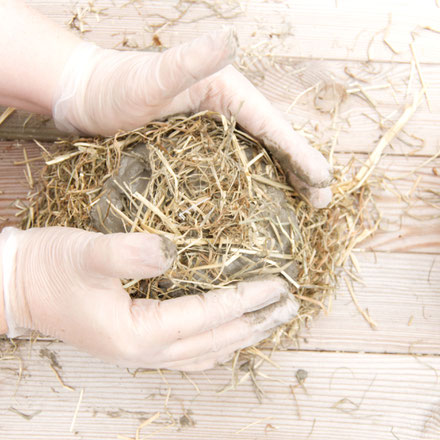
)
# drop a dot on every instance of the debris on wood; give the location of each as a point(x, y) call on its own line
point(75, 414)
point(21, 414)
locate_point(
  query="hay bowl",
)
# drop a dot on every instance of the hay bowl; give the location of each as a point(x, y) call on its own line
point(195, 182)
point(209, 187)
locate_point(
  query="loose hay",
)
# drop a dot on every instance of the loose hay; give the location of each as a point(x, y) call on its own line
point(217, 193)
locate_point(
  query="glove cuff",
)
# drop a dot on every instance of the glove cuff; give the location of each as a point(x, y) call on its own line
point(3, 323)
point(71, 87)
point(8, 262)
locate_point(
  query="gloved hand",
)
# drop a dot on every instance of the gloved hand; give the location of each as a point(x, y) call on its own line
point(65, 283)
point(101, 91)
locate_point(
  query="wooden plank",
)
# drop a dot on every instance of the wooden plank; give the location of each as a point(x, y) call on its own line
point(401, 293)
point(294, 88)
point(374, 395)
point(342, 29)
point(410, 223)
point(27, 126)
point(380, 395)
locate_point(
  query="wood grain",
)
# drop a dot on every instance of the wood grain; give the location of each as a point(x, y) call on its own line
point(384, 393)
point(406, 191)
point(345, 394)
point(401, 293)
point(343, 29)
point(27, 126)
point(13, 183)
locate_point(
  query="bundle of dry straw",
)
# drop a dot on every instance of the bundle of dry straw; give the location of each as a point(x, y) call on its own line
point(217, 193)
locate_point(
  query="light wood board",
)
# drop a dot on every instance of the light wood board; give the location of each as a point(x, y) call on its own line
point(362, 383)
point(341, 29)
point(345, 396)
point(401, 293)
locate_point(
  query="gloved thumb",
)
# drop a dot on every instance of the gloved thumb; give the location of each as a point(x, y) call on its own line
point(180, 67)
point(132, 255)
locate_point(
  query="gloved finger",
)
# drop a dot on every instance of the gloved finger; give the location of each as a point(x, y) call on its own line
point(211, 360)
point(239, 333)
point(178, 68)
point(214, 358)
point(230, 93)
point(318, 197)
point(132, 255)
point(191, 315)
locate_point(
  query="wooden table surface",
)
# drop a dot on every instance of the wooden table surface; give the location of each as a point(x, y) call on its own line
point(361, 384)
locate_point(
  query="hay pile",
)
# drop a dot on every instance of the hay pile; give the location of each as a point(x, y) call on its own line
point(217, 193)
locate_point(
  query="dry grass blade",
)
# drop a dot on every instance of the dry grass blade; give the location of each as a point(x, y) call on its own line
point(374, 158)
point(5, 115)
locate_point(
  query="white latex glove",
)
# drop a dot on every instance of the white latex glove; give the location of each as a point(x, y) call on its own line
point(65, 283)
point(101, 91)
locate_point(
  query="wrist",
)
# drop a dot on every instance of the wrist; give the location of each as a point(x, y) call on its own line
point(8, 263)
point(34, 51)
point(68, 97)
point(3, 323)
